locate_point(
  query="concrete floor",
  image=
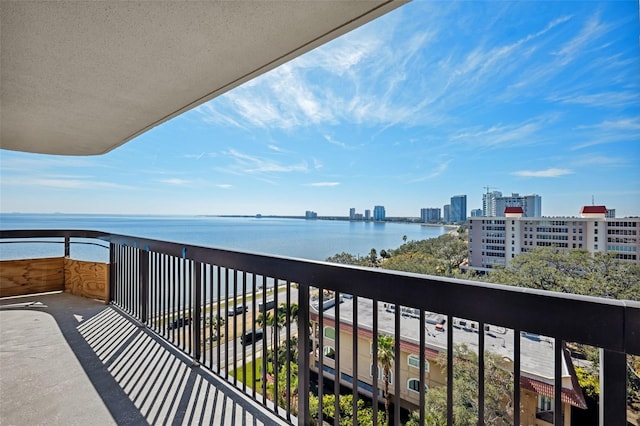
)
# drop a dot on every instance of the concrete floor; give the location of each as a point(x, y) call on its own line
point(65, 360)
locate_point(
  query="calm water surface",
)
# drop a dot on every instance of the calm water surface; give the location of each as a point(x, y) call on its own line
point(309, 239)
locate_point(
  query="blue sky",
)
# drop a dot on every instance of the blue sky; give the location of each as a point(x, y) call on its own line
point(432, 100)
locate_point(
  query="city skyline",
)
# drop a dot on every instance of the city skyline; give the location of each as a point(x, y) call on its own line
point(431, 100)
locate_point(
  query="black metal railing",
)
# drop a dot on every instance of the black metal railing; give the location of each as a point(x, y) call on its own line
point(212, 304)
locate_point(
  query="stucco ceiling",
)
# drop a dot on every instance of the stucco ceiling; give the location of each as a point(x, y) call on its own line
point(82, 78)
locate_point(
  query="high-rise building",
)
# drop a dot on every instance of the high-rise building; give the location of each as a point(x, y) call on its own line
point(378, 213)
point(310, 214)
point(458, 212)
point(352, 213)
point(430, 215)
point(531, 204)
point(495, 241)
point(476, 213)
point(489, 203)
point(367, 214)
point(611, 213)
point(446, 213)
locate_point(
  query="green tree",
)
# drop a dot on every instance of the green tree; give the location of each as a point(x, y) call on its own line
point(345, 259)
point(345, 403)
point(214, 322)
point(498, 392)
point(571, 271)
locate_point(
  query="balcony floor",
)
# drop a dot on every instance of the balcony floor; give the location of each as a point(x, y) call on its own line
point(69, 360)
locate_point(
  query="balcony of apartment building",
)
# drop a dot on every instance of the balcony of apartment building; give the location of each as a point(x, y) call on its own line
point(166, 332)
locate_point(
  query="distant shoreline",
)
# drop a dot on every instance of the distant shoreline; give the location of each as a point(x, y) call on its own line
point(393, 219)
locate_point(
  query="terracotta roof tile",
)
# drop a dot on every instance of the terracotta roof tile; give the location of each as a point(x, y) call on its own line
point(594, 209)
point(569, 396)
point(513, 210)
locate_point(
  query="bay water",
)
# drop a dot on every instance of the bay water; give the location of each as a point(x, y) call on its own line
point(300, 238)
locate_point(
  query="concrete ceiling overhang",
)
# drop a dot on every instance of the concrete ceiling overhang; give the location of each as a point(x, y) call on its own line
point(82, 78)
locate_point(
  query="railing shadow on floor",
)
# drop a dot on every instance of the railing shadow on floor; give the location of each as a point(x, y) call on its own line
point(140, 378)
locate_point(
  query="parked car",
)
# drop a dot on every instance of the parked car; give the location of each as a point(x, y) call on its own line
point(179, 322)
point(236, 310)
point(251, 336)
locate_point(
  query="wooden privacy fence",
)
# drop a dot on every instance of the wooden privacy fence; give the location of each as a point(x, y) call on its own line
point(28, 276)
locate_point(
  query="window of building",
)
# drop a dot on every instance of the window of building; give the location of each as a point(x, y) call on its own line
point(414, 361)
point(545, 403)
point(330, 333)
point(413, 385)
point(329, 352)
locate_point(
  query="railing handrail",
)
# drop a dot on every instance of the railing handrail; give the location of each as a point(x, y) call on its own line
point(606, 323)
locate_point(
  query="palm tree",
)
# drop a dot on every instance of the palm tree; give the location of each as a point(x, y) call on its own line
point(293, 313)
point(214, 322)
point(386, 356)
point(264, 319)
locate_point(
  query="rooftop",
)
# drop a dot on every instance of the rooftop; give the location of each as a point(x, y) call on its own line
point(537, 351)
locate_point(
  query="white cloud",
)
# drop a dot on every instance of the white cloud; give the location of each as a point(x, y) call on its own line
point(548, 173)
point(437, 171)
point(609, 131)
point(249, 164)
point(509, 135)
point(62, 183)
point(603, 99)
point(224, 186)
point(175, 181)
point(592, 30)
point(321, 184)
point(599, 160)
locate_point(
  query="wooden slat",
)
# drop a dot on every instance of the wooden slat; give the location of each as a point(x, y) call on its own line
point(86, 279)
point(27, 276)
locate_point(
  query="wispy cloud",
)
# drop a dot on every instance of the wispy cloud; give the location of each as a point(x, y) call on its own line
point(62, 183)
point(609, 131)
point(321, 184)
point(224, 185)
point(604, 99)
point(250, 164)
point(437, 171)
point(501, 134)
point(175, 181)
point(599, 160)
point(201, 155)
point(593, 29)
point(343, 145)
point(547, 173)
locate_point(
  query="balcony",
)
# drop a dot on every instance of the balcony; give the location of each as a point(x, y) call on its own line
point(168, 346)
